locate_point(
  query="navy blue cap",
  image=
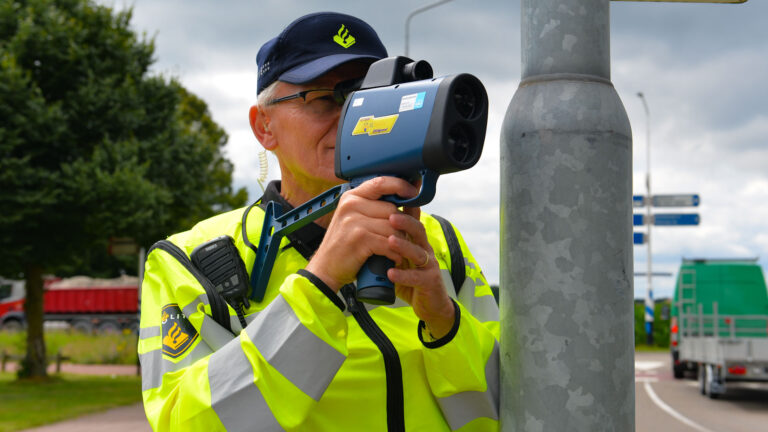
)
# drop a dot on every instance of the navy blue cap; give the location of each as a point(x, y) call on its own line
point(313, 45)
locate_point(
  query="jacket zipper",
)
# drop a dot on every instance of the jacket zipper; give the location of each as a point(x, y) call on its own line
point(219, 310)
point(392, 368)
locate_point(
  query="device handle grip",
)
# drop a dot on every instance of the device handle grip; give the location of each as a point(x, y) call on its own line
point(373, 285)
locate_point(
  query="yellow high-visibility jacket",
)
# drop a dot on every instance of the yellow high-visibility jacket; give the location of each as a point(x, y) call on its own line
point(309, 360)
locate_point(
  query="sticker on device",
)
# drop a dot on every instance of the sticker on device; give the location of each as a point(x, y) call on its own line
point(412, 101)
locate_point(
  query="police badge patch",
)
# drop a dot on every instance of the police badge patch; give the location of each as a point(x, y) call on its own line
point(178, 332)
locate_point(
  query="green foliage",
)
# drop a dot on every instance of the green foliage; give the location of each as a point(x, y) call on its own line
point(25, 404)
point(660, 325)
point(91, 145)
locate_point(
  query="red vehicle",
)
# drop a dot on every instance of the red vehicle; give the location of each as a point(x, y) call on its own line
point(84, 303)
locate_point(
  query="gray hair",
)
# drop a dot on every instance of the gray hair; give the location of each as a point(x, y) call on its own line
point(266, 95)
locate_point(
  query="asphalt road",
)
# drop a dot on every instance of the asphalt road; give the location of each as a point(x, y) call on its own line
point(129, 418)
point(664, 404)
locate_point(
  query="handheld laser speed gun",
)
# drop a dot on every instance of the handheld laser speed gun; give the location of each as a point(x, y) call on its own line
point(400, 122)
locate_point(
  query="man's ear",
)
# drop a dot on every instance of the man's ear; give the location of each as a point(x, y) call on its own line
point(259, 121)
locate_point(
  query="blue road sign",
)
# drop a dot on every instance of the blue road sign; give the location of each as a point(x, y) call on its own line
point(638, 201)
point(666, 219)
point(676, 200)
point(638, 219)
point(639, 238)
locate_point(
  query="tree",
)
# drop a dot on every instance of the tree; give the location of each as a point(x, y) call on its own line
point(93, 146)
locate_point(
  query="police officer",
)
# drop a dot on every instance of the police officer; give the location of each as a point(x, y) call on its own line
point(310, 356)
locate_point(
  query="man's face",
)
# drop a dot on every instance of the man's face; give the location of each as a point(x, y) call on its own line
point(304, 131)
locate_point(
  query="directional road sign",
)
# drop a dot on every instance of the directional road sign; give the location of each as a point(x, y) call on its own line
point(676, 200)
point(639, 238)
point(675, 219)
point(638, 219)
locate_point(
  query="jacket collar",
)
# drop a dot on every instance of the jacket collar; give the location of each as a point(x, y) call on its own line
point(305, 240)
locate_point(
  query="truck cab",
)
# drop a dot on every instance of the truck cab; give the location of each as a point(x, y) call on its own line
point(11, 304)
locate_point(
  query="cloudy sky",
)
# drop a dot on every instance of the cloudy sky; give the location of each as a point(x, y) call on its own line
point(702, 67)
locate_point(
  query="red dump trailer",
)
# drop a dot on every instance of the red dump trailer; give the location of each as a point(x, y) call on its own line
point(86, 304)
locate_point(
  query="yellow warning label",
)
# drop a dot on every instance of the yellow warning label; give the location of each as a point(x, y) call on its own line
point(370, 125)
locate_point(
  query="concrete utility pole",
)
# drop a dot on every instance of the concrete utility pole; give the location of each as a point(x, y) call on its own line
point(567, 332)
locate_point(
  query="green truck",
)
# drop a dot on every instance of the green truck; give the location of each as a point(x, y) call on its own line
point(719, 323)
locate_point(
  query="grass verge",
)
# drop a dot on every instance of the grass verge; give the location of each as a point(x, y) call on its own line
point(646, 348)
point(81, 348)
point(25, 404)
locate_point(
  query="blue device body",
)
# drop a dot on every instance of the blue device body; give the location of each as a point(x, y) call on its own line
point(396, 147)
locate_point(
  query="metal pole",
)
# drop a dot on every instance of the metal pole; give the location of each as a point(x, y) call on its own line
point(417, 11)
point(650, 304)
point(567, 326)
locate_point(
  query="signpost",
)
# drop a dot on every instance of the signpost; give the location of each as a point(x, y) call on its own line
point(660, 219)
point(669, 219)
point(676, 200)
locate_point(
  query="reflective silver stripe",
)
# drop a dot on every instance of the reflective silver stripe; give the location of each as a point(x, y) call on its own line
point(461, 408)
point(149, 332)
point(467, 293)
point(448, 283)
point(469, 263)
point(234, 396)
point(192, 306)
point(234, 324)
point(151, 369)
point(249, 319)
point(484, 308)
point(303, 358)
point(153, 365)
point(214, 334)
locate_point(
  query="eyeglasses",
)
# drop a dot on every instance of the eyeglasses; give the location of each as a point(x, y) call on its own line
point(323, 101)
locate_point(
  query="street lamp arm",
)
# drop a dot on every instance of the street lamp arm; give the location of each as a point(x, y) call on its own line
point(415, 12)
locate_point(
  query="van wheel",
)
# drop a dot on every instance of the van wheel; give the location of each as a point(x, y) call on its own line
point(109, 327)
point(678, 371)
point(13, 326)
point(710, 378)
point(82, 326)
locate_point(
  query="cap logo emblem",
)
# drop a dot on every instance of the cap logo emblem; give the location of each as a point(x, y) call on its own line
point(264, 69)
point(343, 37)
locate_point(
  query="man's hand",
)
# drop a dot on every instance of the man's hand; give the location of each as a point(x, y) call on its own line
point(418, 281)
point(360, 227)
